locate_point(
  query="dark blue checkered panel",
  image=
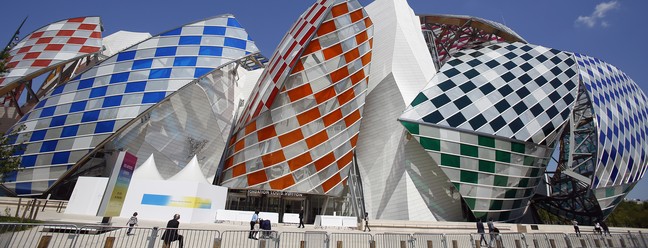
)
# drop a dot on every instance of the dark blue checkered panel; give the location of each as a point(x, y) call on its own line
point(621, 113)
point(74, 118)
point(518, 91)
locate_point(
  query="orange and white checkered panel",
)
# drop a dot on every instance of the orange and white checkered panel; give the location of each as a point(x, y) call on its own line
point(300, 131)
point(51, 45)
point(284, 59)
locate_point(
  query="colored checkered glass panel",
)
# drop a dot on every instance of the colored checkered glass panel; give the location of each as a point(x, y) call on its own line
point(53, 44)
point(517, 91)
point(495, 177)
point(621, 114)
point(77, 116)
point(304, 141)
point(284, 58)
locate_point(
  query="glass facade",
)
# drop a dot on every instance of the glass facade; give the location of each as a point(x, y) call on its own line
point(76, 117)
point(464, 133)
point(603, 152)
point(51, 45)
point(299, 129)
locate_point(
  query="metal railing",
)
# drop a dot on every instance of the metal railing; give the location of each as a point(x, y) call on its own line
point(249, 239)
point(641, 239)
point(428, 240)
point(351, 240)
point(543, 240)
point(460, 240)
point(303, 239)
point(66, 236)
point(37, 235)
point(389, 240)
point(109, 236)
point(190, 237)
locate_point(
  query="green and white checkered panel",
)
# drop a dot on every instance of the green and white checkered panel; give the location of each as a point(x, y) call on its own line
point(610, 197)
point(496, 177)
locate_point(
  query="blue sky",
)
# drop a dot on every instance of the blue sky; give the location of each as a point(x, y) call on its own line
point(609, 30)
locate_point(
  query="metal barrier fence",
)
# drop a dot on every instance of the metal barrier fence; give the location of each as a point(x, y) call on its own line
point(57, 235)
point(393, 240)
point(351, 240)
point(619, 240)
point(459, 240)
point(249, 239)
point(643, 238)
point(578, 240)
point(303, 239)
point(545, 240)
point(62, 235)
point(516, 240)
point(428, 240)
point(537, 240)
point(36, 235)
point(112, 236)
point(190, 237)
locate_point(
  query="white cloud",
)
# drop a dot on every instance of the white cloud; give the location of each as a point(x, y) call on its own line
point(597, 16)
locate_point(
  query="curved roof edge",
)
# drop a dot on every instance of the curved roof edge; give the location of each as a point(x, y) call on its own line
point(487, 25)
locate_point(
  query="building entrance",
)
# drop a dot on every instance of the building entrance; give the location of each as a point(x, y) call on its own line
point(286, 203)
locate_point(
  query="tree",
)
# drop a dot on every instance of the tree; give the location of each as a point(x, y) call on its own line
point(9, 162)
point(9, 150)
point(4, 55)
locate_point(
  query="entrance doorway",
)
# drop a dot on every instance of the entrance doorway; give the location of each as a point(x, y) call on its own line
point(292, 205)
point(287, 203)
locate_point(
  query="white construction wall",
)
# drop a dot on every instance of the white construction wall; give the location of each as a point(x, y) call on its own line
point(87, 195)
point(160, 200)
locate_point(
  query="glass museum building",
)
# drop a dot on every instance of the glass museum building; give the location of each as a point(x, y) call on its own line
point(360, 109)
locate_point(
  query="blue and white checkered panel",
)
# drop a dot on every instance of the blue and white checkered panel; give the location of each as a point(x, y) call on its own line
point(517, 91)
point(72, 119)
point(622, 120)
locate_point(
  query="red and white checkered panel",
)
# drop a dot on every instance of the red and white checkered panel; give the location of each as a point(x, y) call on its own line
point(283, 59)
point(50, 45)
point(302, 125)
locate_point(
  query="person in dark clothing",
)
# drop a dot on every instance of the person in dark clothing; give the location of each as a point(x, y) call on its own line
point(480, 230)
point(301, 218)
point(606, 229)
point(597, 228)
point(576, 229)
point(491, 231)
point(171, 233)
point(366, 219)
point(253, 221)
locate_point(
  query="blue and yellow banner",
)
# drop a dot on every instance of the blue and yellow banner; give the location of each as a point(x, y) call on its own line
point(173, 201)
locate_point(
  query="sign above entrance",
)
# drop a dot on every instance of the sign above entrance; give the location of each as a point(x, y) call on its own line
point(271, 192)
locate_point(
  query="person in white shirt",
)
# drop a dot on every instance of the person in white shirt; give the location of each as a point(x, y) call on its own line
point(131, 222)
point(255, 219)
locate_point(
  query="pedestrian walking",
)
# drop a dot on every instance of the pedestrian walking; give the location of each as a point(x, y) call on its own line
point(576, 229)
point(491, 231)
point(253, 221)
point(131, 222)
point(480, 230)
point(597, 228)
point(606, 229)
point(171, 233)
point(366, 219)
point(301, 218)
